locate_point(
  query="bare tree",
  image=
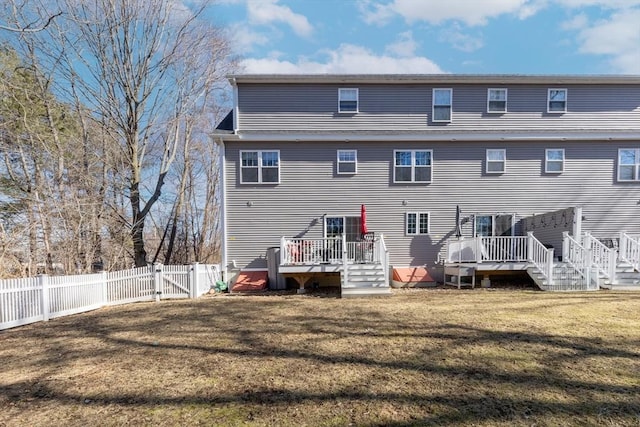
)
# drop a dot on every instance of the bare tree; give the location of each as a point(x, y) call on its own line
point(133, 64)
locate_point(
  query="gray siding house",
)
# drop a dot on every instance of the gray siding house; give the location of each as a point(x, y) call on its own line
point(459, 175)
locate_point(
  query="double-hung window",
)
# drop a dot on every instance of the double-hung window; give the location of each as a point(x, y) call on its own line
point(629, 164)
point(557, 101)
point(496, 161)
point(442, 101)
point(497, 101)
point(260, 167)
point(347, 100)
point(347, 162)
point(417, 223)
point(554, 160)
point(412, 166)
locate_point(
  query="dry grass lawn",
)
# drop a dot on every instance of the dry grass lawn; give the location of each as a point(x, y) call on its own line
point(434, 357)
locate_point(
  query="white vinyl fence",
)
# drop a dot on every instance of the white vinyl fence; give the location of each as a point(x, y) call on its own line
point(34, 299)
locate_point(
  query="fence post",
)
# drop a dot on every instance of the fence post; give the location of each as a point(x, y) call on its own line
point(43, 281)
point(105, 290)
point(157, 280)
point(194, 280)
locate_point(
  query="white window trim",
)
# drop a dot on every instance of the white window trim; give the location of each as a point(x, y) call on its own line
point(339, 162)
point(413, 167)
point(357, 100)
point(547, 161)
point(566, 100)
point(433, 105)
point(637, 165)
point(506, 98)
point(504, 161)
point(259, 167)
point(417, 214)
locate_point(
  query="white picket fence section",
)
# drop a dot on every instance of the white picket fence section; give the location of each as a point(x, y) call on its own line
point(34, 299)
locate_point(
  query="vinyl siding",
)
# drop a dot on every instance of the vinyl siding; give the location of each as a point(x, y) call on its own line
point(309, 189)
point(408, 108)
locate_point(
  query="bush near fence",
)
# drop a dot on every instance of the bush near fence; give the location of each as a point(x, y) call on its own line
point(34, 299)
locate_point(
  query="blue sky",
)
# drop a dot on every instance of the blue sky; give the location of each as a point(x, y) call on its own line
point(434, 36)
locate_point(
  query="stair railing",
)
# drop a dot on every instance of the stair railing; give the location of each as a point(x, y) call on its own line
point(578, 257)
point(541, 257)
point(630, 250)
point(602, 257)
point(383, 254)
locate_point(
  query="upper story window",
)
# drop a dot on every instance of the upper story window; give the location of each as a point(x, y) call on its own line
point(557, 101)
point(347, 100)
point(629, 164)
point(497, 101)
point(412, 165)
point(347, 162)
point(442, 99)
point(496, 160)
point(417, 223)
point(259, 167)
point(554, 160)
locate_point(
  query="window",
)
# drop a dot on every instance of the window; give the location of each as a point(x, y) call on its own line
point(336, 226)
point(347, 161)
point(417, 223)
point(493, 225)
point(629, 164)
point(497, 101)
point(554, 160)
point(442, 105)
point(557, 101)
point(496, 161)
point(259, 167)
point(347, 100)
point(412, 165)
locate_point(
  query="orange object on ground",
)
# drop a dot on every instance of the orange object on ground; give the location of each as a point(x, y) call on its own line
point(248, 281)
point(411, 275)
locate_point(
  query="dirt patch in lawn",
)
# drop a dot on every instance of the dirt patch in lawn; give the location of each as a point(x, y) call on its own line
point(419, 357)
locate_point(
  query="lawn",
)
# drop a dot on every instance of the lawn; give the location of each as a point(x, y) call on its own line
point(432, 357)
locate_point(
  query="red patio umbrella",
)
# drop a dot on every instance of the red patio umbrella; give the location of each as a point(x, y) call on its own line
point(363, 220)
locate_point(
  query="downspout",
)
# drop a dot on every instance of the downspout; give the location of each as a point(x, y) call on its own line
point(223, 202)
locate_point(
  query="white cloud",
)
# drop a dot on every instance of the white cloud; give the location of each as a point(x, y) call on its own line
point(245, 39)
point(346, 59)
point(617, 37)
point(578, 22)
point(459, 40)
point(266, 12)
point(437, 11)
point(404, 47)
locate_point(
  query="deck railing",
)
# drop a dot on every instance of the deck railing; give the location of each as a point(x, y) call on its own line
point(488, 249)
point(303, 251)
point(602, 257)
point(630, 250)
point(541, 257)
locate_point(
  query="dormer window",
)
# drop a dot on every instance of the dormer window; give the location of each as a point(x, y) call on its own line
point(557, 101)
point(347, 100)
point(497, 101)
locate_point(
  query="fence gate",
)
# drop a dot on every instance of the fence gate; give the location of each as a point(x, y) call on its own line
point(174, 280)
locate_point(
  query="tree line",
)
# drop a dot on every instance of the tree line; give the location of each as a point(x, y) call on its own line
point(106, 116)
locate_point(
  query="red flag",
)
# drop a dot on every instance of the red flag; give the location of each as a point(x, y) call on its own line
point(363, 220)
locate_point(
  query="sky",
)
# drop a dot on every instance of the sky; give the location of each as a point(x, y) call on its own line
point(434, 36)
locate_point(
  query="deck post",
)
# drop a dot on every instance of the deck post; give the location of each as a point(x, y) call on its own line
point(550, 265)
point(345, 268)
point(565, 246)
point(529, 246)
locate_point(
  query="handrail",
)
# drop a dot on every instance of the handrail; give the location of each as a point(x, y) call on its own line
point(384, 258)
point(303, 251)
point(602, 257)
point(541, 257)
point(577, 256)
point(630, 250)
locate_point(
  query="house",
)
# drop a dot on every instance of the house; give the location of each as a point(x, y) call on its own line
point(458, 175)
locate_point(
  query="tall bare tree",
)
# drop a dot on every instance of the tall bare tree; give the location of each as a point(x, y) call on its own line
point(134, 64)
